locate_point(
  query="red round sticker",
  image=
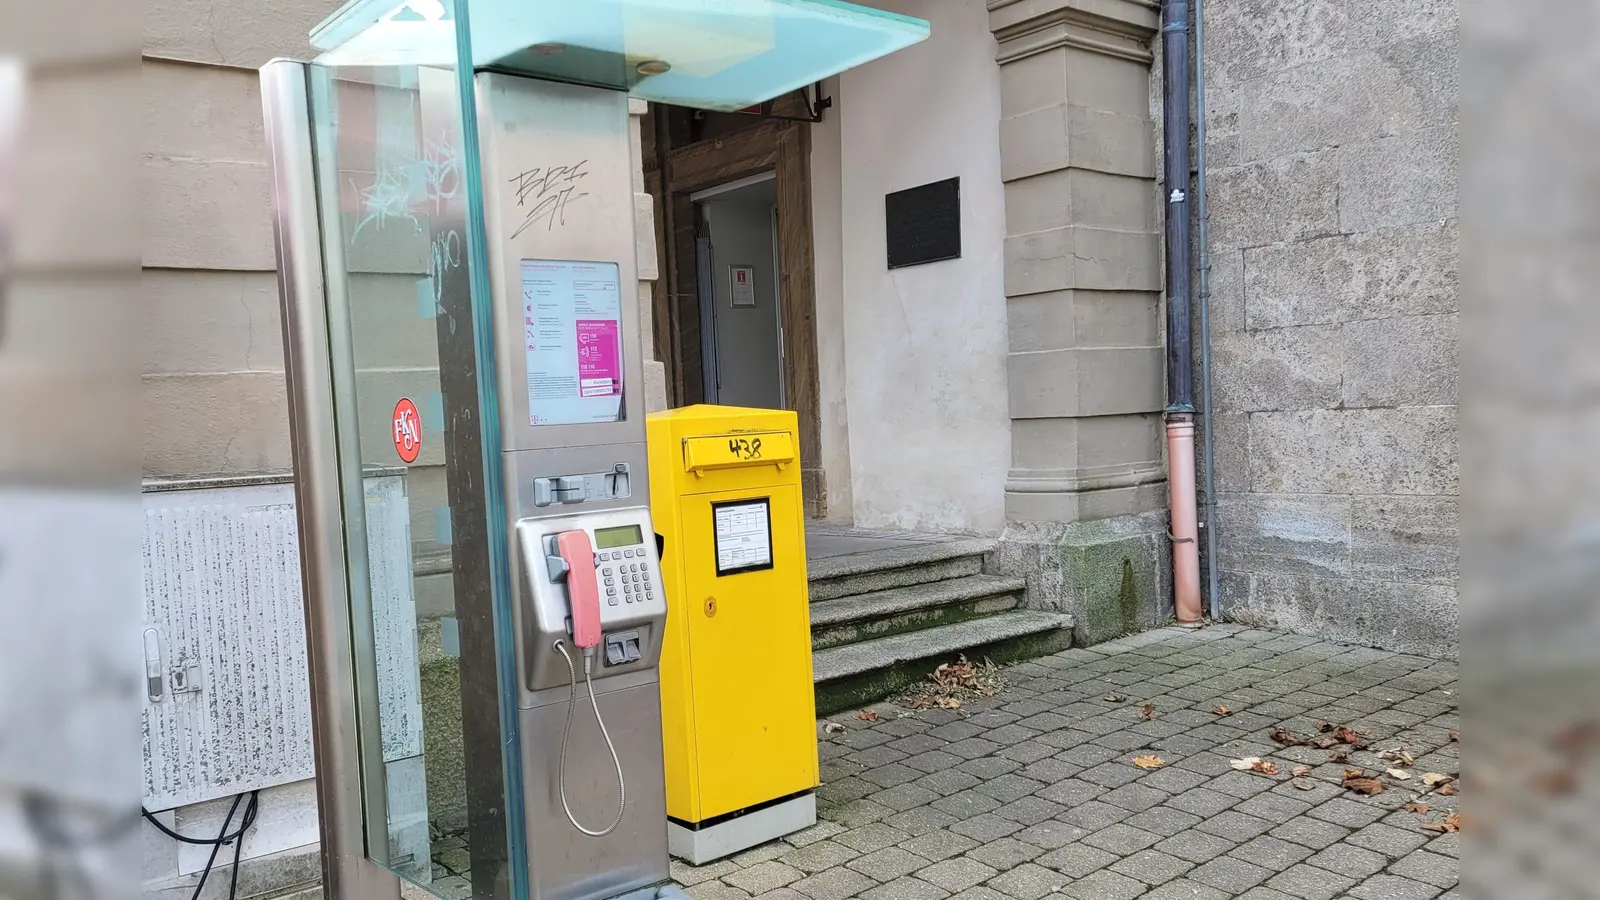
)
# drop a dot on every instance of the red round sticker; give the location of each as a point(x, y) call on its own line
point(407, 430)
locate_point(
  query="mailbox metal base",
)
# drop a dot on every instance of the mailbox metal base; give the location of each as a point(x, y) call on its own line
point(708, 843)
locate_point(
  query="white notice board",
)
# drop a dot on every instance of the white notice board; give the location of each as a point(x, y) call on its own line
point(572, 328)
point(742, 284)
point(743, 535)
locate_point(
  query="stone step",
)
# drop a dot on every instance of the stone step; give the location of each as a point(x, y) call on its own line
point(878, 614)
point(857, 674)
point(879, 570)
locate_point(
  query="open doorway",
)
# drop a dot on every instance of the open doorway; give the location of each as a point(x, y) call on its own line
point(736, 255)
point(708, 173)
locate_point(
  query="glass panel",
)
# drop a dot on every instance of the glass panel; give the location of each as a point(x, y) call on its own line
point(392, 177)
point(709, 54)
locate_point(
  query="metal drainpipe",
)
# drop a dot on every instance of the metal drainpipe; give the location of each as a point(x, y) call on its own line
point(1208, 449)
point(1180, 404)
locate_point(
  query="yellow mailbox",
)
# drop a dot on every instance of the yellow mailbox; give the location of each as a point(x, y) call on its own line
point(737, 708)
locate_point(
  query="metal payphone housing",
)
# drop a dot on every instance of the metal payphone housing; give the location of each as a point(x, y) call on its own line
point(558, 192)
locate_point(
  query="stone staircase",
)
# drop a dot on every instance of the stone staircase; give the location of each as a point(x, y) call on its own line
point(884, 617)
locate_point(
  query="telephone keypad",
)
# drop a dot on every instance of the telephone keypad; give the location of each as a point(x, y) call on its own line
point(635, 576)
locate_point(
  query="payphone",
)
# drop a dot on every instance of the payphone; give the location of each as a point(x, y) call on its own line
point(588, 602)
point(477, 156)
point(612, 599)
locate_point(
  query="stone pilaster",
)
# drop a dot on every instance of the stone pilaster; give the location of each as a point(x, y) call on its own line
point(1085, 495)
point(1082, 258)
point(644, 236)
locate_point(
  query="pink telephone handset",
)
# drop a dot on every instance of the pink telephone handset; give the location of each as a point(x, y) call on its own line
point(583, 587)
point(583, 592)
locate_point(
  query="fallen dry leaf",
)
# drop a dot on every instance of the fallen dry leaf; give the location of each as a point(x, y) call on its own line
point(832, 727)
point(1304, 784)
point(1339, 757)
point(1300, 771)
point(961, 673)
point(1420, 809)
point(1265, 767)
point(1455, 737)
point(1448, 789)
point(1246, 764)
point(868, 715)
point(1399, 774)
point(1285, 736)
point(1340, 735)
point(1434, 779)
point(950, 684)
point(1148, 711)
point(1450, 824)
point(1116, 698)
point(1222, 710)
point(1351, 736)
point(1362, 783)
point(1399, 755)
point(1149, 762)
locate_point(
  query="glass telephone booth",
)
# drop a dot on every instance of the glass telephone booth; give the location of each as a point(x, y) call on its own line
point(454, 187)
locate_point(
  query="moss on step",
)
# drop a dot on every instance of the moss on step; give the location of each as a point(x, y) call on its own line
point(837, 635)
point(1128, 598)
point(837, 586)
point(869, 687)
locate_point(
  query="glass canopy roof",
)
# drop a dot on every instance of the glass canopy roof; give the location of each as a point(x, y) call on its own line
point(707, 54)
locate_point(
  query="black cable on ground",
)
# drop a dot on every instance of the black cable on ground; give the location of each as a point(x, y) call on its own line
point(216, 844)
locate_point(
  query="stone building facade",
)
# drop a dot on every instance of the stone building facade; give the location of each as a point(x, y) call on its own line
point(1333, 152)
point(1014, 393)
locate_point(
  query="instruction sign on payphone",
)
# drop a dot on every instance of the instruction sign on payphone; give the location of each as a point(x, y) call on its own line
point(572, 326)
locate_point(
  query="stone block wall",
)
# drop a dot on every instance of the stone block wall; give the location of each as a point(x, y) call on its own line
point(1333, 148)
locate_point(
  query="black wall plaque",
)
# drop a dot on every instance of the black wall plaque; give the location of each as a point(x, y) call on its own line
point(923, 224)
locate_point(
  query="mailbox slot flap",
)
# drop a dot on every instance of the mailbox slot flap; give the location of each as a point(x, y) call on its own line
point(738, 449)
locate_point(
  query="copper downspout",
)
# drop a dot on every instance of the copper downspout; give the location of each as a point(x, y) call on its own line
point(1181, 494)
point(1180, 403)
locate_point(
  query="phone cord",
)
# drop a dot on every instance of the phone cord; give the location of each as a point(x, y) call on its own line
point(622, 788)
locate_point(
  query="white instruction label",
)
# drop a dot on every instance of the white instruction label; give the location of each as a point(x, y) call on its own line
point(744, 536)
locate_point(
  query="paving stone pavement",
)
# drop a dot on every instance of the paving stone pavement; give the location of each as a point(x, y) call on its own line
point(1033, 793)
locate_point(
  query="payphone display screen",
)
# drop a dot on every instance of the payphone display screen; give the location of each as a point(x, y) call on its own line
point(625, 536)
point(572, 331)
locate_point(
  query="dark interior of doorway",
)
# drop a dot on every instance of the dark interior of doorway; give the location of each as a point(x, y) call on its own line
point(736, 264)
point(688, 151)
